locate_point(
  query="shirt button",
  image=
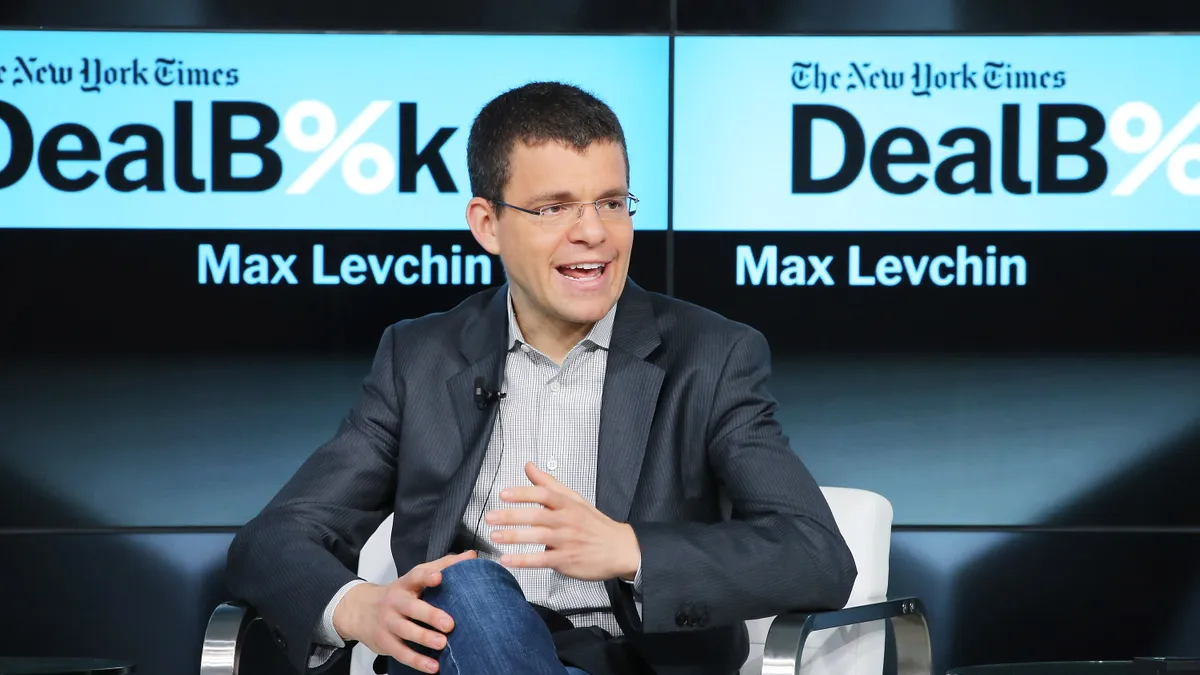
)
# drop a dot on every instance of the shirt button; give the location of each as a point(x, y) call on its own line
point(525, 348)
point(552, 464)
point(554, 386)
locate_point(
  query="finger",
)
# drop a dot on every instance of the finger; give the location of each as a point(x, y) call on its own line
point(541, 478)
point(396, 649)
point(406, 629)
point(542, 560)
point(448, 560)
point(426, 613)
point(419, 577)
point(527, 535)
point(545, 480)
point(429, 574)
point(534, 495)
point(523, 516)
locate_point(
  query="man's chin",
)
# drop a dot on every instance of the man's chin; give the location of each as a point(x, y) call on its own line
point(586, 312)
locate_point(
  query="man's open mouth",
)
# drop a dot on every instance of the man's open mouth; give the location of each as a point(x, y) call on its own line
point(582, 271)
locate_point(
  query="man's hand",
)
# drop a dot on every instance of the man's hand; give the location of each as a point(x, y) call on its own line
point(581, 542)
point(381, 617)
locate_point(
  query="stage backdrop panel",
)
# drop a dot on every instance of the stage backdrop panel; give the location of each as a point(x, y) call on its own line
point(967, 193)
point(970, 254)
point(208, 233)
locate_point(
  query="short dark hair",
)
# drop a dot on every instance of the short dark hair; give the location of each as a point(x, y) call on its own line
point(535, 113)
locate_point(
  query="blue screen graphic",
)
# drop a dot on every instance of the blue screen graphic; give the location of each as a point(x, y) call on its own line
point(1047, 133)
point(246, 131)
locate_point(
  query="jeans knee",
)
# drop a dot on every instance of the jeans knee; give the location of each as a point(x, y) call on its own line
point(474, 578)
point(495, 629)
point(476, 586)
point(480, 593)
point(477, 570)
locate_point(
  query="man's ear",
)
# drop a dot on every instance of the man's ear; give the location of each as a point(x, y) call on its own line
point(481, 218)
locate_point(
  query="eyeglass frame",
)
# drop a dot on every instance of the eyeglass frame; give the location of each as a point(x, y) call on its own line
point(629, 197)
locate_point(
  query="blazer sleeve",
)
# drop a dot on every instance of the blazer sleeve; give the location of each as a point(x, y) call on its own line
point(780, 551)
point(291, 559)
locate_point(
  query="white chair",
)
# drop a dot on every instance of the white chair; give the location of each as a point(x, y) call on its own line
point(849, 641)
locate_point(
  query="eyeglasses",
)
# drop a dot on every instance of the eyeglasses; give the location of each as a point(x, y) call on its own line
point(565, 213)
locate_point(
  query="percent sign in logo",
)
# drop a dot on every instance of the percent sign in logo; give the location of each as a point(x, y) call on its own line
point(333, 146)
point(1157, 148)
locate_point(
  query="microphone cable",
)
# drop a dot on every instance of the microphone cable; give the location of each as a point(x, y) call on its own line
point(498, 428)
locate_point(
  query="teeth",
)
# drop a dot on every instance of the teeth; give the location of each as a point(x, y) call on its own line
point(585, 266)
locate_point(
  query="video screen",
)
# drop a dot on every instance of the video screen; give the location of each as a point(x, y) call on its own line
point(224, 192)
point(203, 237)
point(1037, 193)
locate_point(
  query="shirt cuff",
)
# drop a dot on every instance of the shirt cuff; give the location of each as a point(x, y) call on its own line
point(637, 582)
point(327, 635)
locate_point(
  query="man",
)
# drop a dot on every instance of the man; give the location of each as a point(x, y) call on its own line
point(556, 453)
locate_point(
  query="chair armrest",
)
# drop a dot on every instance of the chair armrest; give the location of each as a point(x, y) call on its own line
point(224, 638)
point(785, 639)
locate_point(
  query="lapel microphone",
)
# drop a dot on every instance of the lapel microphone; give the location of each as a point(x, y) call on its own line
point(484, 396)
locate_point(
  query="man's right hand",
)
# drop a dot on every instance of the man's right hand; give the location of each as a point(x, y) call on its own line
point(382, 617)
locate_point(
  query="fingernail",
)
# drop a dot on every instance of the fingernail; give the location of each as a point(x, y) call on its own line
point(505, 494)
point(491, 517)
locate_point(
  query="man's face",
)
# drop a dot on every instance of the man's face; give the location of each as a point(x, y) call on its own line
point(553, 269)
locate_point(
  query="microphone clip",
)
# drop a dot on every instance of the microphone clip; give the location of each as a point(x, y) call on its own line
point(484, 396)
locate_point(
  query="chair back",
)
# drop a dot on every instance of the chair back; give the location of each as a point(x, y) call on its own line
point(865, 521)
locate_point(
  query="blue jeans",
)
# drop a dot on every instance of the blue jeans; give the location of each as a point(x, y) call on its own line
point(496, 632)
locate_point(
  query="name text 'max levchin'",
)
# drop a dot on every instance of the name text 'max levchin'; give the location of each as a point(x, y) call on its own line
point(234, 266)
point(766, 267)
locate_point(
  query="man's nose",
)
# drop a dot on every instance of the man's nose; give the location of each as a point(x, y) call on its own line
point(589, 228)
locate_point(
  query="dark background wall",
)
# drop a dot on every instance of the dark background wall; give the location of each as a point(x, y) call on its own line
point(1043, 487)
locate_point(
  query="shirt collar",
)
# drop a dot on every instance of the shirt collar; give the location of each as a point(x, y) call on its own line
point(600, 335)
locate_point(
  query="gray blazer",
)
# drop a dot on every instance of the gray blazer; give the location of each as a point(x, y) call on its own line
point(687, 429)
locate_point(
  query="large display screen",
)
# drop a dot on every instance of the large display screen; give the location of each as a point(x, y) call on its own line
point(204, 235)
point(944, 192)
point(277, 191)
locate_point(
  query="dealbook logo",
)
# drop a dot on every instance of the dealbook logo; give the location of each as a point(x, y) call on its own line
point(132, 157)
point(971, 153)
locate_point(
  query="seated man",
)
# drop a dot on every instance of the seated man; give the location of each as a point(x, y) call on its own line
point(556, 452)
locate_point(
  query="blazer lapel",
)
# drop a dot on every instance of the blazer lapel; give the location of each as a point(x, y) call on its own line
point(483, 345)
point(631, 386)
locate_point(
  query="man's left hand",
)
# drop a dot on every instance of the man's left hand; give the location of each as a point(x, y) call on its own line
point(581, 542)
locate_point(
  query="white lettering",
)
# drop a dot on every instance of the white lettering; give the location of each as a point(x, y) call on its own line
point(230, 262)
point(320, 278)
point(766, 265)
point(963, 268)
